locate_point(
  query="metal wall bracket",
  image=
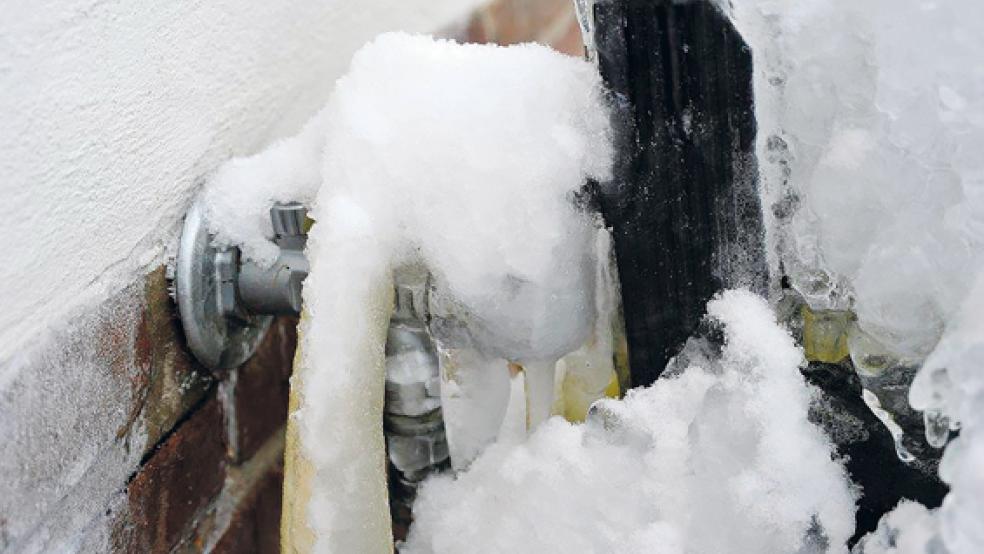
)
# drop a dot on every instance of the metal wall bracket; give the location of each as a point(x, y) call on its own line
point(226, 305)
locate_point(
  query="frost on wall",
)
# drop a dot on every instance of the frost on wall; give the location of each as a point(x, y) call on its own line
point(871, 126)
point(719, 457)
point(70, 433)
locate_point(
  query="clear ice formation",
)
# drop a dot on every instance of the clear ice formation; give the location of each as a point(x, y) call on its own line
point(871, 124)
point(871, 400)
point(461, 157)
point(937, 427)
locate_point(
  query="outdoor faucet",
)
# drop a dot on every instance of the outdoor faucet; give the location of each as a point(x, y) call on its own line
point(226, 304)
point(277, 289)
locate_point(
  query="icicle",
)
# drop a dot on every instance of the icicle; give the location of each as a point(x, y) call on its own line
point(889, 422)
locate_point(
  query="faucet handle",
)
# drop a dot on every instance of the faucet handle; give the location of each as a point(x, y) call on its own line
point(287, 219)
point(277, 289)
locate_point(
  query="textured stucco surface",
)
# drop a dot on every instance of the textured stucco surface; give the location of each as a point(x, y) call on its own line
point(113, 111)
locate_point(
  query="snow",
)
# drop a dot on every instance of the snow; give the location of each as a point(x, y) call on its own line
point(718, 458)
point(463, 157)
point(239, 196)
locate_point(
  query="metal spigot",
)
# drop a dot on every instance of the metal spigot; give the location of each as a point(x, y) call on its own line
point(416, 441)
point(227, 305)
point(277, 289)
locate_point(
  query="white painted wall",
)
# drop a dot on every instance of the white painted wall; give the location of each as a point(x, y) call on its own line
point(111, 112)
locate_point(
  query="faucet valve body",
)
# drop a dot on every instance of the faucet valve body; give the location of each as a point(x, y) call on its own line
point(416, 441)
point(225, 304)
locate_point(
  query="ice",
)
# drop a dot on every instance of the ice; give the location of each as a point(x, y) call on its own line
point(589, 373)
point(539, 381)
point(879, 106)
point(474, 397)
point(718, 458)
point(950, 386)
point(889, 422)
point(937, 427)
point(464, 158)
point(879, 195)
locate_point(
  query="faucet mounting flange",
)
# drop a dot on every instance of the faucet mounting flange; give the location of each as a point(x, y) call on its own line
point(204, 294)
point(226, 305)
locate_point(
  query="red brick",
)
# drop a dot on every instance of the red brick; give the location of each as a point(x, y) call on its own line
point(255, 526)
point(262, 389)
point(173, 488)
point(477, 29)
point(523, 20)
point(571, 41)
point(164, 379)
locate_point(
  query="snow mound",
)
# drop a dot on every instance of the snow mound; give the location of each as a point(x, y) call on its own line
point(717, 458)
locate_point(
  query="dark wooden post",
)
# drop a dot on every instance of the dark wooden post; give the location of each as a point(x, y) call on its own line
point(684, 202)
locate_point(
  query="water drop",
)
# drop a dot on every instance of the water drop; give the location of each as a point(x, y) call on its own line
point(937, 427)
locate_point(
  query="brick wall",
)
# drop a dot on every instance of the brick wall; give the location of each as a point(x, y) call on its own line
point(122, 392)
point(214, 481)
point(125, 444)
point(551, 22)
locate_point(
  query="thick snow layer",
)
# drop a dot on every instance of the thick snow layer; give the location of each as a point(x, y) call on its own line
point(718, 458)
point(463, 157)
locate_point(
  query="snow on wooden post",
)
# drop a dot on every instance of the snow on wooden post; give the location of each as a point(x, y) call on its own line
point(684, 201)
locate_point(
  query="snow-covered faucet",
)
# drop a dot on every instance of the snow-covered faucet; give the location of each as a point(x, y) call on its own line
point(226, 304)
